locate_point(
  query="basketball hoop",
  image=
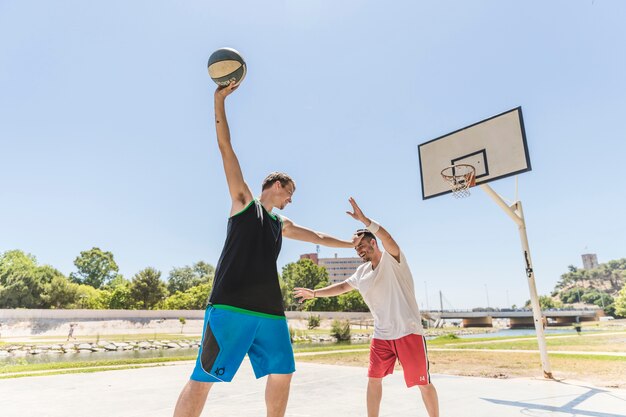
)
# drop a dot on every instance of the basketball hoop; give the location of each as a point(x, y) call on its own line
point(460, 178)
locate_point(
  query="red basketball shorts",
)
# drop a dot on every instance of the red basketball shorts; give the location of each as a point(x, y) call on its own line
point(409, 350)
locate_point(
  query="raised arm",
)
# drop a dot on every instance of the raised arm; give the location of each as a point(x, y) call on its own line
point(389, 244)
point(239, 191)
point(294, 231)
point(336, 289)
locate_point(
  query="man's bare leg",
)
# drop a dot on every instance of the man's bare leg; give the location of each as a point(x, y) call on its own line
point(374, 395)
point(431, 401)
point(277, 394)
point(192, 398)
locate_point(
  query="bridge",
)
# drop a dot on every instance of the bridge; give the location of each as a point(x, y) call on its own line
point(517, 318)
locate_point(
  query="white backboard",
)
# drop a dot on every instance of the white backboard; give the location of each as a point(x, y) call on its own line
point(496, 147)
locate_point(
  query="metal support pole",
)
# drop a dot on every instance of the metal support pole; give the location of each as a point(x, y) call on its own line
point(517, 214)
point(440, 301)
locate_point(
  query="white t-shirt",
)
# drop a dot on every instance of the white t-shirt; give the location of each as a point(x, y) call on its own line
point(389, 292)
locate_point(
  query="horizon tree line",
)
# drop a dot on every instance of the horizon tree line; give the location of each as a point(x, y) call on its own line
point(97, 284)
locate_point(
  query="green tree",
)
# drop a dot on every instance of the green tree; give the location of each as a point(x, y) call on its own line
point(305, 274)
point(289, 301)
point(599, 298)
point(20, 281)
point(204, 270)
point(195, 298)
point(181, 279)
point(607, 278)
point(120, 297)
point(15, 260)
point(60, 292)
point(352, 301)
point(91, 298)
point(177, 301)
point(46, 273)
point(147, 289)
point(546, 302)
point(20, 291)
point(95, 267)
point(321, 304)
point(620, 303)
point(571, 296)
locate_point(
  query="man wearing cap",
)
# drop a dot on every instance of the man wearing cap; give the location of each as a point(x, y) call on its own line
point(386, 284)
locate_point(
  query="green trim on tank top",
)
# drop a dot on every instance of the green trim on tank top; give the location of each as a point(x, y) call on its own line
point(244, 209)
point(248, 312)
point(272, 215)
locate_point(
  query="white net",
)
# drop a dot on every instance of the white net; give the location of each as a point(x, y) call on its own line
point(460, 178)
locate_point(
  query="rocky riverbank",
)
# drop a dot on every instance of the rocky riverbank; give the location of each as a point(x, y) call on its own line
point(299, 337)
point(100, 346)
point(355, 338)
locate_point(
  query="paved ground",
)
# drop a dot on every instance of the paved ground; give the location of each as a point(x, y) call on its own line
point(317, 390)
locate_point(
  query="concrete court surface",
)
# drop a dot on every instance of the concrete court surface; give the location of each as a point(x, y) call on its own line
point(317, 390)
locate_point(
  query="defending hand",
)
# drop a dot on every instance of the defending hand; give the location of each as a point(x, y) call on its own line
point(303, 294)
point(356, 212)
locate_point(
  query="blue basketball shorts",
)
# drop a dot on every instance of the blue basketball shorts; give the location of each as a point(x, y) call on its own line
point(230, 333)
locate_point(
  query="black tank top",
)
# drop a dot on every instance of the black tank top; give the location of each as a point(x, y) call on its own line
point(246, 275)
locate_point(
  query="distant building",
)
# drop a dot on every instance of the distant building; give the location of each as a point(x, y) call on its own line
point(339, 269)
point(590, 261)
point(311, 256)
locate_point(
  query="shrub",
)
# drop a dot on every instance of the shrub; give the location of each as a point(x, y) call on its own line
point(292, 333)
point(340, 329)
point(314, 322)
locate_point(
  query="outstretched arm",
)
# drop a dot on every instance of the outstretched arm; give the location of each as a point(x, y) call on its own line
point(336, 289)
point(240, 193)
point(389, 244)
point(294, 231)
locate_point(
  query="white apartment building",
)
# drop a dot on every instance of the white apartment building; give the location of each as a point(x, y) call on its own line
point(339, 269)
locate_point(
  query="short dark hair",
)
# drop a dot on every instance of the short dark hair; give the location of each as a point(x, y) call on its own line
point(278, 176)
point(365, 233)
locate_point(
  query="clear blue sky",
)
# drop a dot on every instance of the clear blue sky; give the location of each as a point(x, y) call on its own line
point(107, 137)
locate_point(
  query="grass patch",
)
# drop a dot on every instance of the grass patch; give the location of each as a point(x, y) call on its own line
point(582, 356)
point(6, 369)
point(445, 338)
point(69, 371)
point(599, 370)
point(331, 346)
point(596, 342)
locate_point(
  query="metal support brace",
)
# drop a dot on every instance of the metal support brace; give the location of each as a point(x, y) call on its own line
point(516, 213)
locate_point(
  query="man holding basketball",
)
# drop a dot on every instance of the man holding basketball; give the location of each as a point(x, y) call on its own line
point(386, 284)
point(245, 313)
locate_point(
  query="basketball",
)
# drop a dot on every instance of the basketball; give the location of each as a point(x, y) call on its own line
point(226, 65)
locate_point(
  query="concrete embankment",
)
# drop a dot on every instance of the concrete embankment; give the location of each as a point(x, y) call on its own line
point(25, 323)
